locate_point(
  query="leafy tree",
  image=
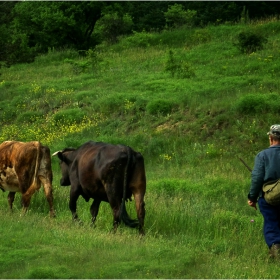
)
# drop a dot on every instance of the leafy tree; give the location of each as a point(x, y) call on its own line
point(28, 28)
point(36, 27)
point(57, 24)
point(112, 25)
point(214, 11)
point(176, 16)
point(148, 15)
point(5, 36)
point(230, 11)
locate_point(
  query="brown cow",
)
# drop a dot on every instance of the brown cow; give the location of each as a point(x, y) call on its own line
point(105, 172)
point(23, 168)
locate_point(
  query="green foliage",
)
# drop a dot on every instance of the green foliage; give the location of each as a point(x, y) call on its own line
point(140, 39)
point(201, 36)
point(173, 39)
point(185, 70)
point(159, 106)
point(112, 25)
point(69, 116)
point(249, 42)
point(258, 103)
point(8, 112)
point(111, 104)
point(251, 103)
point(57, 57)
point(30, 28)
point(84, 98)
point(156, 147)
point(36, 27)
point(140, 104)
point(178, 68)
point(29, 117)
point(244, 16)
point(78, 67)
point(88, 63)
point(176, 16)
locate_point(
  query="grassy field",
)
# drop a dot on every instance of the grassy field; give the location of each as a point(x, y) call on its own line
point(191, 124)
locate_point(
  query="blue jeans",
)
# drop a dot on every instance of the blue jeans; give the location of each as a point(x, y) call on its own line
point(271, 227)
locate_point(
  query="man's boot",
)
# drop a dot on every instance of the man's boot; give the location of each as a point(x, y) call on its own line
point(274, 251)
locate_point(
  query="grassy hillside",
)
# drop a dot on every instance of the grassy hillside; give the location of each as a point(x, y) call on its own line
point(123, 90)
point(191, 103)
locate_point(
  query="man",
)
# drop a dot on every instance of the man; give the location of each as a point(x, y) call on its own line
point(267, 168)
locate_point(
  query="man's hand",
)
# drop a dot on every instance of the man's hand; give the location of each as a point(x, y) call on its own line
point(252, 204)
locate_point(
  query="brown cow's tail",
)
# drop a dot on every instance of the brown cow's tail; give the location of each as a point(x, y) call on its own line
point(35, 178)
point(124, 215)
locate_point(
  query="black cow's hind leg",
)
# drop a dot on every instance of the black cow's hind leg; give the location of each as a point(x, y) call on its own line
point(140, 208)
point(94, 208)
point(74, 194)
point(115, 206)
point(117, 219)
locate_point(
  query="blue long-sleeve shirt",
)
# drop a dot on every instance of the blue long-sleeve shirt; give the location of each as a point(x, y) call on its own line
point(266, 168)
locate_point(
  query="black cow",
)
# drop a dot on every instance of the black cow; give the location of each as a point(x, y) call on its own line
point(105, 172)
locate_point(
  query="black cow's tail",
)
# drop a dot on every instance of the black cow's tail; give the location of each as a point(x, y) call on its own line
point(124, 215)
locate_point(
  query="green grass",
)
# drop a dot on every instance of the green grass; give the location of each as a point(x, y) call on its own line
point(187, 236)
point(190, 131)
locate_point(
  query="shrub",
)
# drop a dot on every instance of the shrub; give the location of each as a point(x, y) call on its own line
point(140, 104)
point(8, 111)
point(84, 98)
point(29, 117)
point(109, 105)
point(69, 116)
point(251, 103)
point(78, 67)
point(185, 70)
point(92, 57)
point(178, 68)
point(258, 103)
point(273, 101)
point(140, 39)
point(201, 36)
point(249, 42)
point(159, 106)
point(89, 62)
point(56, 56)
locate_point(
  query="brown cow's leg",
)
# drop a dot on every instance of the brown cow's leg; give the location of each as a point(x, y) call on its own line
point(48, 193)
point(140, 208)
point(11, 198)
point(26, 197)
point(94, 208)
